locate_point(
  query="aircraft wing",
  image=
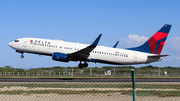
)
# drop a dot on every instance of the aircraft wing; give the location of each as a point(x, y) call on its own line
point(84, 53)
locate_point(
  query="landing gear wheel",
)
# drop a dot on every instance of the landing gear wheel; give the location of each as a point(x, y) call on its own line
point(22, 56)
point(80, 65)
point(85, 64)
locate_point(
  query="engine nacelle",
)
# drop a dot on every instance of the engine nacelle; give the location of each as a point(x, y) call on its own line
point(60, 57)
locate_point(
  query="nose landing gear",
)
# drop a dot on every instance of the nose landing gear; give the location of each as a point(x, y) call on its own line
point(22, 56)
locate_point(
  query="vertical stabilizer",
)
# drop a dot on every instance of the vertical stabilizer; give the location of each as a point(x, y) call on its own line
point(155, 44)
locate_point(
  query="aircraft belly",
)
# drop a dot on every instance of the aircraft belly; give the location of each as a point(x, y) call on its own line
point(37, 50)
point(113, 59)
point(118, 60)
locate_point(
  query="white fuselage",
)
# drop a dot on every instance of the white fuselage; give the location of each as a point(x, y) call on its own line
point(100, 53)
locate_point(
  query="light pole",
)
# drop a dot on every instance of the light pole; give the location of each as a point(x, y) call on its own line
point(90, 72)
point(72, 71)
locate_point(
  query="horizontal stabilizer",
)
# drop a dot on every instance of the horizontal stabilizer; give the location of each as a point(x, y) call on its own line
point(153, 56)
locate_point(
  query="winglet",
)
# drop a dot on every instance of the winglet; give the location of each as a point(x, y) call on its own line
point(94, 44)
point(116, 44)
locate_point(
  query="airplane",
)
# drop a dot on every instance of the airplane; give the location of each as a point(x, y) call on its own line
point(68, 51)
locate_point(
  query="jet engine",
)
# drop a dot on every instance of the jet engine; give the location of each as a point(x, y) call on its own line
point(60, 57)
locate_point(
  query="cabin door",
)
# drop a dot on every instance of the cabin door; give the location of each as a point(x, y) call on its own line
point(25, 44)
point(135, 57)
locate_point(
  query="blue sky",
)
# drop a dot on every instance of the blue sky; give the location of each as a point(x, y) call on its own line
point(131, 22)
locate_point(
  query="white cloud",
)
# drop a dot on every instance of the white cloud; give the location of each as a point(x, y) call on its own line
point(137, 38)
point(132, 41)
point(175, 43)
point(172, 47)
point(178, 57)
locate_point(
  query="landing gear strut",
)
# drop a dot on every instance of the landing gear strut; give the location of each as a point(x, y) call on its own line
point(22, 56)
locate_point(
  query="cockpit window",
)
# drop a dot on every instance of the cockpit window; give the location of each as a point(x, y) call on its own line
point(16, 41)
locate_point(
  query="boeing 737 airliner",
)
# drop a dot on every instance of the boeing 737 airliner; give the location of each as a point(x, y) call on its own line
point(68, 51)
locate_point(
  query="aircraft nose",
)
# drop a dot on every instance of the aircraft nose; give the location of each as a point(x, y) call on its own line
point(10, 44)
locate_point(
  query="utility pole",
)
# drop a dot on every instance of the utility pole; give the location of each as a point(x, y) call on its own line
point(72, 71)
point(114, 71)
point(90, 72)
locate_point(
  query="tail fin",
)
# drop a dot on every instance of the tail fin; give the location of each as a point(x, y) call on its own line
point(155, 44)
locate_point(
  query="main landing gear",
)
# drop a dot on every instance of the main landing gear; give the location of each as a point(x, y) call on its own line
point(83, 65)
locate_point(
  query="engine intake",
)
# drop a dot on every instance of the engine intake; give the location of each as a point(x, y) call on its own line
point(60, 57)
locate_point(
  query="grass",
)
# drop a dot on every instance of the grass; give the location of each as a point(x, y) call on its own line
point(65, 92)
point(69, 85)
point(151, 92)
point(89, 85)
point(154, 93)
point(18, 92)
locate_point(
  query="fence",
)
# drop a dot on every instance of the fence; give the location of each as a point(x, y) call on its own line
point(96, 73)
point(88, 91)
